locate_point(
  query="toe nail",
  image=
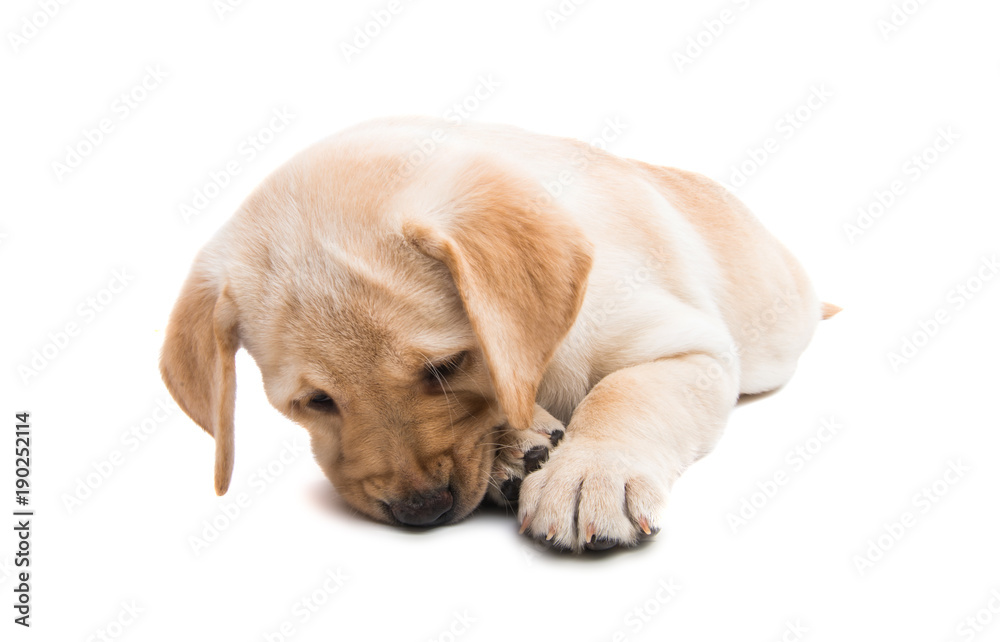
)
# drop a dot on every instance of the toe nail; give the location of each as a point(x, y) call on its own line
point(524, 524)
point(552, 532)
point(534, 458)
point(556, 436)
point(591, 529)
point(644, 525)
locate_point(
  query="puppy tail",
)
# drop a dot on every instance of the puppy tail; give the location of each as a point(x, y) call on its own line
point(829, 309)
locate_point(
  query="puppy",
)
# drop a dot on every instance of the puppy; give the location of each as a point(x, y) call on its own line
point(437, 319)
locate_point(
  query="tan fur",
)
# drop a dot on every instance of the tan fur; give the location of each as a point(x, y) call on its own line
point(199, 368)
point(494, 235)
point(634, 307)
point(738, 240)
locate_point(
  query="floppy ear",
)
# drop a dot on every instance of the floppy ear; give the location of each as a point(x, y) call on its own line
point(198, 364)
point(520, 266)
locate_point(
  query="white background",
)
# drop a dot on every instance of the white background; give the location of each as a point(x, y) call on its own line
point(99, 542)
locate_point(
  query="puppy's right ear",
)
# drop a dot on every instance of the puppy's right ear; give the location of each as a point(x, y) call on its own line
point(198, 364)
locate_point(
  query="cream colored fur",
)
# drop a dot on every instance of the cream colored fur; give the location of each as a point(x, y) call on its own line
point(633, 308)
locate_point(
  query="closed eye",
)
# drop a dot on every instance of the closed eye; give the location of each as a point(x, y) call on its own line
point(435, 373)
point(322, 402)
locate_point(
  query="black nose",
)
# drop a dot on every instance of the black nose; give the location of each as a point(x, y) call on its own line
point(422, 509)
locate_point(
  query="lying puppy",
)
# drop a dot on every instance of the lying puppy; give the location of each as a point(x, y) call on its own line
point(417, 298)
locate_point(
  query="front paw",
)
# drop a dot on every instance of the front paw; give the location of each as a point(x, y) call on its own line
point(593, 497)
point(520, 453)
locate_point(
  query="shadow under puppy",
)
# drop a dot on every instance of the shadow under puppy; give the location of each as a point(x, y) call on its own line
point(437, 321)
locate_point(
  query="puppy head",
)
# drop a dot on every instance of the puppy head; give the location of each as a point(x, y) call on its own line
point(403, 330)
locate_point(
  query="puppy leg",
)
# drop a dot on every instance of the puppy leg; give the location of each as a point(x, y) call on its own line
point(520, 452)
point(629, 439)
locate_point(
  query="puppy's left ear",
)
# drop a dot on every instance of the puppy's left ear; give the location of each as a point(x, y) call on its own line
point(520, 265)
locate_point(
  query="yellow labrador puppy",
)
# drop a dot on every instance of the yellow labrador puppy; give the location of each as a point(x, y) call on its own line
point(438, 304)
